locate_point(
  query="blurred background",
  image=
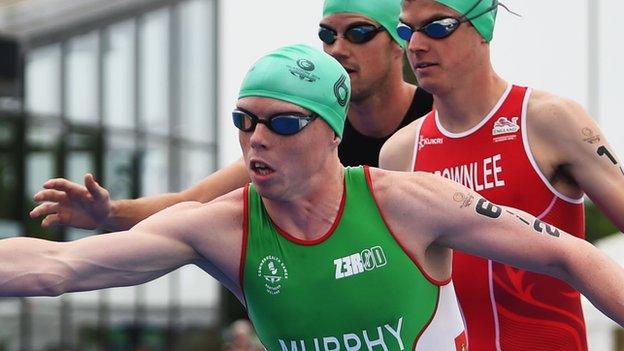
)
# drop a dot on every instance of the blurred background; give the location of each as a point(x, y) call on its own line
point(139, 93)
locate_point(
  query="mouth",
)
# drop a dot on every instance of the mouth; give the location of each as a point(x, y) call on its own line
point(347, 66)
point(261, 168)
point(349, 70)
point(423, 65)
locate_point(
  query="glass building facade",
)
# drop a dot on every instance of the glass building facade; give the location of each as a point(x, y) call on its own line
point(130, 97)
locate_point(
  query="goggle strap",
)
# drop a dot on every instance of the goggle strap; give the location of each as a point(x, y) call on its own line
point(495, 4)
point(474, 6)
point(508, 10)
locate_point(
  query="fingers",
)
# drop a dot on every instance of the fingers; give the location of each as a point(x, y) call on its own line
point(75, 190)
point(97, 191)
point(50, 195)
point(65, 185)
point(50, 221)
point(47, 208)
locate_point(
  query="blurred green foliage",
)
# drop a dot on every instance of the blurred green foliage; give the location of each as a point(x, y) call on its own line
point(597, 226)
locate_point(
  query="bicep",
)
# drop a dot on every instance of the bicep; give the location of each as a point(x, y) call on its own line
point(589, 158)
point(505, 235)
point(600, 174)
point(208, 235)
point(440, 213)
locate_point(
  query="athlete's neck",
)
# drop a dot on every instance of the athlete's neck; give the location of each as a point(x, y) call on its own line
point(311, 214)
point(381, 114)
point(469, 102)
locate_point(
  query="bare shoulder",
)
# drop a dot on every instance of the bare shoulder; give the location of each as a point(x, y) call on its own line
point(552, 114)
point(396, 153)
point(219, 215)
point(213, 230)
point(558, 129)
point(418, 197)
point(419, 207)
point(397, 191)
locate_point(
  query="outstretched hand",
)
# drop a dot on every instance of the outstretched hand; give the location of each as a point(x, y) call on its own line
point(71, 204)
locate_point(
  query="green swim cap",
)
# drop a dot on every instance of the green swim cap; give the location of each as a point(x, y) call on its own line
point(384, 12)
point(304, 76)
point(481, 12)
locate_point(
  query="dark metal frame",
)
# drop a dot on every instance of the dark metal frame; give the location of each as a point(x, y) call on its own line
point(99, 131)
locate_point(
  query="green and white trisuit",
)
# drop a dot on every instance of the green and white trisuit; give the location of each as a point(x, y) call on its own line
point(355, 288)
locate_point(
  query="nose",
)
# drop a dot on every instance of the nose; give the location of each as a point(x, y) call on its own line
point(418, 42)
point(260, 137)
point(339, 49)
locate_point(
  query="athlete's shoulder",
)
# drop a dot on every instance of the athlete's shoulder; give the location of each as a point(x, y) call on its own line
point(550, 111)
point(394, 184)
point(396, 153)
point(194, 213)
point(554, 125)
point(418, 191)
point(230, 204)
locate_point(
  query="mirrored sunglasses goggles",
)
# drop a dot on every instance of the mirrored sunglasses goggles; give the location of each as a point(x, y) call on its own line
point(442, 27)
point(280, 123)
point(356, 34)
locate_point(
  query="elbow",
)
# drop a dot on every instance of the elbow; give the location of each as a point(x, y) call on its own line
point(50, 285)
point(570, 265)
point(55, 280)
point(33, 284)
point(561, 270)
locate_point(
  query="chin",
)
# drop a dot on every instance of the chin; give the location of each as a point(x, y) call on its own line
point(263, 191)
point(428, 84)
point(266, 191)
point(359, 95)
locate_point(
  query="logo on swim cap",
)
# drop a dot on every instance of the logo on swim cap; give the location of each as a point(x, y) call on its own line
point(303, 71)
point(305, 64)
point(341, 90)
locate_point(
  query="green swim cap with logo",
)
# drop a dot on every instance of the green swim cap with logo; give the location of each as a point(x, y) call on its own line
point(384, 12)
point(481, 12)
point(304, 76)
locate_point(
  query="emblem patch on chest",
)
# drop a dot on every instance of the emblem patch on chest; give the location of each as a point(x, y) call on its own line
point(504, 126)
point(274, 273)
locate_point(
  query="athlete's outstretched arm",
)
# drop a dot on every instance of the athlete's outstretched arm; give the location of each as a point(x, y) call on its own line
point(190, 232)
point(90, 207)
point(564, 137)
point(437, 212)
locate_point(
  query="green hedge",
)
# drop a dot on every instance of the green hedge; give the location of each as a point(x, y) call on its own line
point(597, 226)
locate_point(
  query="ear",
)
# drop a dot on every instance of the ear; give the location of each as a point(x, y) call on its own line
point(397, 50)
point(336, 140)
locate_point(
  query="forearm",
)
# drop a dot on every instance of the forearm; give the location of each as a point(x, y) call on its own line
point(29, 268)
point(125, 214)
point(600, 279)
point(35, 267)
